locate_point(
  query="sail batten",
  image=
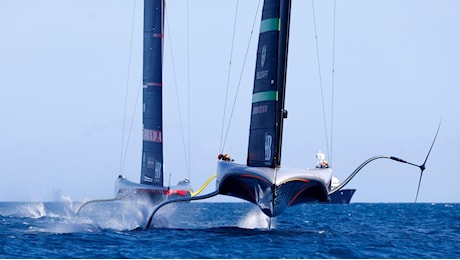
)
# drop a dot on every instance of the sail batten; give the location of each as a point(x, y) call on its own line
point(151, 84)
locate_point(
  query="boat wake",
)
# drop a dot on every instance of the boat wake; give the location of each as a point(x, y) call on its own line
point(61, 217)
point(130, 215)
point(256, 219)
point(121, 215)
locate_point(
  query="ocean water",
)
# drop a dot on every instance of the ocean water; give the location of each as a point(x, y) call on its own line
point(229, 230)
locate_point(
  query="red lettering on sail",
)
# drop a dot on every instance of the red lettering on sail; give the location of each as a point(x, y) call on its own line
point(152, 136)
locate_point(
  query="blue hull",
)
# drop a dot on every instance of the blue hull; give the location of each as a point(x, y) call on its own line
point(342, 196)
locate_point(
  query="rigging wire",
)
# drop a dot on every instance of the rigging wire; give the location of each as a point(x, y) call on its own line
point(241, 74)
point(132, 122)
point(221, 147)
point(320, 77)
point(188, 93)
point(124, 147)
point(187, 159)
point(333, 82)
point(124, 150)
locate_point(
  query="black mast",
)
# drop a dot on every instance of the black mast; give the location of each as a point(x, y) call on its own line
point(268, 113)
point(152, 146)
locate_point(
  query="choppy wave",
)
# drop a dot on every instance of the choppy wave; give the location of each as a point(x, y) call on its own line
point(228, 230)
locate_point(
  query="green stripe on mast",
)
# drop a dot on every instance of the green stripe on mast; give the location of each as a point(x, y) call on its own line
point(271, 24)
point(265, 96)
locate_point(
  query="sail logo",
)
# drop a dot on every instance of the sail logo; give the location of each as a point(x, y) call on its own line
point(150, 162)
point(259, 109)
point(262, 74)
point(152, 136)
point(263, 56)
point(147, 179)
point(158, 170)
point(268, 146)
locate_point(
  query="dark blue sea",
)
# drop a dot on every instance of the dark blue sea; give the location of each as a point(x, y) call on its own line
point(229, 230)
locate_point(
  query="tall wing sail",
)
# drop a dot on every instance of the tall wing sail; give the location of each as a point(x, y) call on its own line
point(152, 147)
point(268, 112)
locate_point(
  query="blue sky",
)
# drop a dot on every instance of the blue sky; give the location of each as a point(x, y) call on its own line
point(65, 66)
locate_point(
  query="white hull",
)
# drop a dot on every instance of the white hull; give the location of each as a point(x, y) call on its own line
point(156, 194)
point(273, 189)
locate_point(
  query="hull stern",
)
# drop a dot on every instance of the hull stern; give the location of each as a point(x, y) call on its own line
point(342, 196)
point(125, 189)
